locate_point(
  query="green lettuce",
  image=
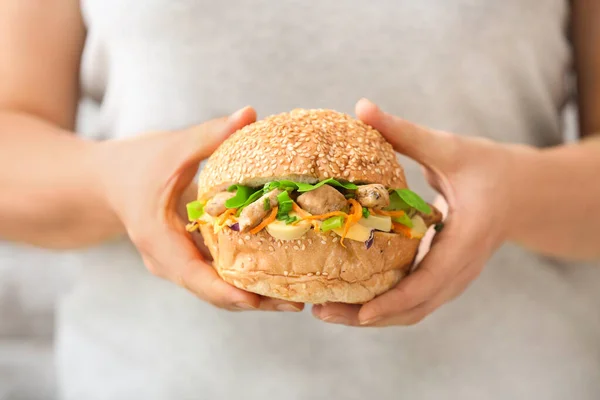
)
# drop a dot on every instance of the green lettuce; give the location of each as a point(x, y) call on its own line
point(405, 199)
point(195, 210)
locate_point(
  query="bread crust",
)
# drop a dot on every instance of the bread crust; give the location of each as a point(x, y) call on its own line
point(303, 146)
point(315, 269)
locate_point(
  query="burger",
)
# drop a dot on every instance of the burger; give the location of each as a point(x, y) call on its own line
point(309, 206)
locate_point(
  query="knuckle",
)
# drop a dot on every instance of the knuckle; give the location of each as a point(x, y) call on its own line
point(401, 297)
point(214, 295)
point(143, 242)
point(154, 269)
point(221, 305)
point(414, 319)
point(432, 276)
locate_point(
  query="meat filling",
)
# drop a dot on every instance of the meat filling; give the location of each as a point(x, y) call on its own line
point(322, 200)
point(216, 206)
point(253, 214)
point(432, 218)
point(373, 196)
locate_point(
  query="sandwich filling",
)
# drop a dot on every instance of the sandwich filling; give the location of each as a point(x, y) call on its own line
point(287, 210)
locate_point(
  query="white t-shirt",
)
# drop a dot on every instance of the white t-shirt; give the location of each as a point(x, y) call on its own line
point(527, 328)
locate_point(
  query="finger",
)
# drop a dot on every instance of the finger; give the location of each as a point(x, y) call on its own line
point(176, 258)
point(427, 240)
point(420, 312)
point(337, 313)
point(441, 204)
point(196, 144)
point(271, 304)
point(203, 139)
point(198, 240)
point(439, 267)
point(432, 149)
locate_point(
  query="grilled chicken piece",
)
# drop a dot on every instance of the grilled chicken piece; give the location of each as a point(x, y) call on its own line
point(433, 218)
point(322, 200)
point(373, 196)
point(255, 212)
point(216, 206)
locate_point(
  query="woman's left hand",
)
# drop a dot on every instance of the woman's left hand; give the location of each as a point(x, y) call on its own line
point(474, 176)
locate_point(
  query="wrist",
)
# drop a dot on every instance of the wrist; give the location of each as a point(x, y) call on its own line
point(526, 181)
point(96, 160)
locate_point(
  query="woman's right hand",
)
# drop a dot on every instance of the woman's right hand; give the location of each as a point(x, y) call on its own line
point(144, 180)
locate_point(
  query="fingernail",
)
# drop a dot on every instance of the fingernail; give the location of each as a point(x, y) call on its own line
point(368, 102)
point(370, 321)
point(336, 319)
point(287, 307)
point(238, 113)
point(244, 306)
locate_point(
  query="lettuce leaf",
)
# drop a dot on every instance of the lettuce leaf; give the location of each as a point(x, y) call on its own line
point(413, 200)
point(195, 210)
point(285, 203)
point(306, 187)
point(244, 196)
point(404, 220)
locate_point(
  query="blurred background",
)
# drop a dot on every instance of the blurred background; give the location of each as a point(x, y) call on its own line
point(29, 291)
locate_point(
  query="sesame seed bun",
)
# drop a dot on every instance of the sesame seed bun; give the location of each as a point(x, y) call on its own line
point(303, 146)
point(315, 269)
point(306, 146)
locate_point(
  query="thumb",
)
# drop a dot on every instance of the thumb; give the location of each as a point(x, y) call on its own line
point(433, 149)
point(198, 143)
point(201, 140)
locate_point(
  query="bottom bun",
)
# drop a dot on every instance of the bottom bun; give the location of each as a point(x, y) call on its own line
point(315, 269)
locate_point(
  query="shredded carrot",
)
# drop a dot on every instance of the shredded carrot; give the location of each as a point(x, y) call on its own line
point(352, 219)
point(316, 226)
point(226, 215)
point(403, 229)
point(191, 227)
point(325, 216)
point(266, 221)
point(300, 211)
point(388, 213)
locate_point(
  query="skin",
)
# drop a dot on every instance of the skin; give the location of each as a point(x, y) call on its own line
point(92, 192)
point(59, 191)
point(481, 182)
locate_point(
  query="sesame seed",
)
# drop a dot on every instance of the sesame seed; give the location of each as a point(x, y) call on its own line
point(324, 274)
point(318, 273)
point(309, 274)
point(240, 241)
point(324, 241)
point(271, 248)
point(247, 237)
point(285, 273)
point(336, 143)
point(296, 248)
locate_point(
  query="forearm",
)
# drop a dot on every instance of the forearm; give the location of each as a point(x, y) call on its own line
point(50, 193)
point(557, 200)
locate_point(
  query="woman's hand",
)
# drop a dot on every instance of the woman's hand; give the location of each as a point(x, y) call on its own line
point(146, 179)
point(474, 176)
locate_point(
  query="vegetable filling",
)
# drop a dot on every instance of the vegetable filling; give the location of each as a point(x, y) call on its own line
point(287, 210)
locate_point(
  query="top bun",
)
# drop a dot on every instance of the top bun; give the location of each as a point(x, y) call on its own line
point(302, 146)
